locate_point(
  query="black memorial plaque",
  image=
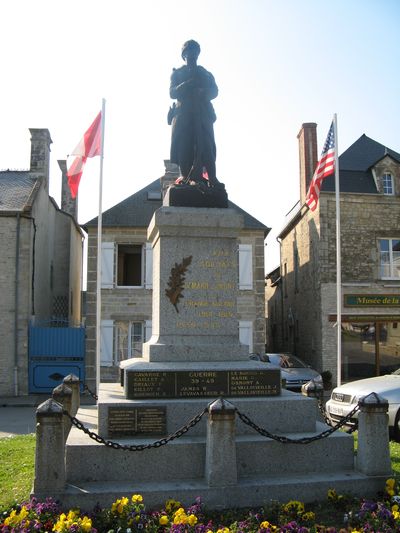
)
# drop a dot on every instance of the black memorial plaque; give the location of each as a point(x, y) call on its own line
point(203, 384)
point(131, 421)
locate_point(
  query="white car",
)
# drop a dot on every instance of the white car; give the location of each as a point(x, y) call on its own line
point(346, 397)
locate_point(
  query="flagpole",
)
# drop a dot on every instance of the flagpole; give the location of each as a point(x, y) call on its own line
point(99, 240)
point(338, 261)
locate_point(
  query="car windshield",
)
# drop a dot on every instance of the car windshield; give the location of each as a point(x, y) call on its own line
point(286, 361)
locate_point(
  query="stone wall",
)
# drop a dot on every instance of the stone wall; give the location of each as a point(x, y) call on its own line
point(14, 342)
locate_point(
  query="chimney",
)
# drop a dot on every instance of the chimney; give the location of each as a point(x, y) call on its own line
point(40, 154)
point(68, 204)
point(308, 156)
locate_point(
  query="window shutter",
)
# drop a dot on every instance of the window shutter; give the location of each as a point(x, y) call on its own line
point(148, 281)
point(148, 330)
point(107, 265)
point(245, 267)
point(246, 334)
point(107, 343)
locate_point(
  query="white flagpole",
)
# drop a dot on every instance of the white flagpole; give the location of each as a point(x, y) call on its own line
point(338, 260)
point(99, 238)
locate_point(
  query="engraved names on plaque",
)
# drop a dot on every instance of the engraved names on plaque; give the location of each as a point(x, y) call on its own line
point(203, 383)
point(131, 421)
point(210, 291)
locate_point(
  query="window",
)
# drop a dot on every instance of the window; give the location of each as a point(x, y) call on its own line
point(129, 265)
point(122, 340)
point(387, 183)
point(129, 340)
point(126, 265)
point(389, 258)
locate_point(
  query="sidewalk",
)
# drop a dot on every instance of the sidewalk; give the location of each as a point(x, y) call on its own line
point(18, 414)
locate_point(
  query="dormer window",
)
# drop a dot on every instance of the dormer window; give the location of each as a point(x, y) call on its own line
point(387, 183)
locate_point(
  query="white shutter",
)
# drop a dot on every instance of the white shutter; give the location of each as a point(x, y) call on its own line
point(107, 265)
point(147, 330)
point(246, 334)
point(148, 278)
point(107, 343)
point(245, 267)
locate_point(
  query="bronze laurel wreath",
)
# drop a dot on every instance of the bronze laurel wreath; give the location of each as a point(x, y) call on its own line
point(176, 281)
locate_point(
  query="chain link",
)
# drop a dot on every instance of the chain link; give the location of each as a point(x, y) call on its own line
point(303, 440)
point(136, 447)
point(92, 394)
point(194, 421)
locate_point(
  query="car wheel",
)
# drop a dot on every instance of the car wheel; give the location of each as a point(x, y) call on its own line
point(396, 428)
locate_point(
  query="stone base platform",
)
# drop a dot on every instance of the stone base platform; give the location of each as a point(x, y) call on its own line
point(266, 469)
point(251, 492)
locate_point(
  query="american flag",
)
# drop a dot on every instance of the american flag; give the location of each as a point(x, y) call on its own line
point(325, 167)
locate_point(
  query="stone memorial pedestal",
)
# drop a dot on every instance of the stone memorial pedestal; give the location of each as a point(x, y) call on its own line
point(192, 364)
point(194, 351)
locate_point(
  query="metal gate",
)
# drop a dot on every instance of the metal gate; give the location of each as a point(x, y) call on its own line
point(55, 350)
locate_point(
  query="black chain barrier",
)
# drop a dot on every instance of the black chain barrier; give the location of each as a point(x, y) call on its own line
point(92, 394)
point(195, 420)
point(136, 447)
point(303, 440)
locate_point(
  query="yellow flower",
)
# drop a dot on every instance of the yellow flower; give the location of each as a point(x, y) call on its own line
point(86, 524)
point(390, 483)
point(163, 520)
point(294, 506)
point(192, 520)
point(137, 498)
point(16, 518)
point(180, 517)
point(309, 516)
point(223, 530)
point(171, 505)
point(332, 494)
point(265, 524)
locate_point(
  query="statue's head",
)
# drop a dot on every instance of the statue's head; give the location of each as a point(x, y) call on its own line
point(190, 48)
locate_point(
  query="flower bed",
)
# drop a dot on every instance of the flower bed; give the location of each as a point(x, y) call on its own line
point(129, 515)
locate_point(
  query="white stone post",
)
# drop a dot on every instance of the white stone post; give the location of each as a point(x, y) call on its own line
point(63, 395)
point(50, 450)
point(221, 469)
point(373, 455)
point(73, 382)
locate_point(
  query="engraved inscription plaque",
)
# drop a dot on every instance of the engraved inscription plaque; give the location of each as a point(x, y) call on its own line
point(130, 421)
point(203, 383)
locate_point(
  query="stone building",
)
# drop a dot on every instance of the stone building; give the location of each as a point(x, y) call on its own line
point(40, 260)
point(301, 295)
point(126, 287)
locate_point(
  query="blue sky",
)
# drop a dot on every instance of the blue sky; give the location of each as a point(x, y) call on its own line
point(277, 64)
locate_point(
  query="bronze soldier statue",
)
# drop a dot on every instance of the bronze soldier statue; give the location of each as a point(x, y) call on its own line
point(192, 118)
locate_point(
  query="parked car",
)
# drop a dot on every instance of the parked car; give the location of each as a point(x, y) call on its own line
point(346, 397)
point(293, 370)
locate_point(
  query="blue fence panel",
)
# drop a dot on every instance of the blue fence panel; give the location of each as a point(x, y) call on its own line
point(55, 352)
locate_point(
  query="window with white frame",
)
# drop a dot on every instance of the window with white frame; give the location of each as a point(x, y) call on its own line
point(387, 183)
point(126, 265)
point(122, 339)
point(128, 340)
point(389, 258)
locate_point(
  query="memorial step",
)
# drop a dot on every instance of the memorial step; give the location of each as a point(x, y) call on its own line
point(250, 492)
point(288, 412)
point(184, 458)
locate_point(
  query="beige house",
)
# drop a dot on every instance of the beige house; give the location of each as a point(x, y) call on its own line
point(40, 260)
point(301, 294)
point(126, 285)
